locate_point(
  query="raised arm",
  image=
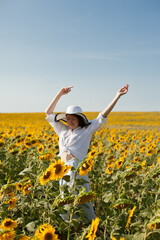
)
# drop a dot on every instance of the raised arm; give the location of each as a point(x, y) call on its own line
point(109, 108)
point(54, 102)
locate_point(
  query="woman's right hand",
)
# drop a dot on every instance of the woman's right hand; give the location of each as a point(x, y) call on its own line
point(52, 105)
point(65, 90)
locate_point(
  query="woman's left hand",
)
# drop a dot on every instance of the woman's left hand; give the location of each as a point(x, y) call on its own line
point(123, 90)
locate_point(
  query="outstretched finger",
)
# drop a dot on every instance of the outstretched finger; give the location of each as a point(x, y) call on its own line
point(69, 88)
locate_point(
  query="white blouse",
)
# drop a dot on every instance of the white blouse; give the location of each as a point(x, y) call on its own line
point(75, 141)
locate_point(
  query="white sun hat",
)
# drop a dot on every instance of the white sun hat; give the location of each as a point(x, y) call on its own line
point(72, 109)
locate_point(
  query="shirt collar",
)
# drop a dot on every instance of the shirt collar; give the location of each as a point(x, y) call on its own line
point(75, 130)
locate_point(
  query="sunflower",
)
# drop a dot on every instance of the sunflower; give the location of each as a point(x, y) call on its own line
point(12, 203)
point(45, 136)
point(56, 147)
point(131, 151)
point(110, 158)
point(122, 206)
point(113, 238)
point(86, 167)
point(26, 188)
point(2, 144)
point(7, 235)
point(8, 189)
point(47, 176)
point(155, 173)
point(154, 223)
point(1, 137)
point(45, 156)
point(27, 143)
point(8, 224)
point(19, 141)
point(49, 234)
point(29, 135)
point(64, 201)
point(14, 152)
point(142, 148)
point(50, 147)
point(93, 229)
point(130, 174)
point(11, 194)
point(130, 215)
point(12, 146)
point(59, 169)
point(122, 203)
point(119, 163)
point(110, 169)
point(49, 139)
point(67, 168)
point(46, 232)
point(113, 138)
point(86, 197)
point(34, 142)
point(154, 226)
point(150, 152)
point(136, 159)
point(92, 153)
point(19, 186)
point(40, 149)
point(116, 146)
point(143, 164)
point(95, 143)
point(125, 147)
point(41, 229)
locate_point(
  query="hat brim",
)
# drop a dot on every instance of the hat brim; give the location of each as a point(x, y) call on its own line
point(62, 116)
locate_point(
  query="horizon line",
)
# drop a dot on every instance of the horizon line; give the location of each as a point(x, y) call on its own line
point(85, 112)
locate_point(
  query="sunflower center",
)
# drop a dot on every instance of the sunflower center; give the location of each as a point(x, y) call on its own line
point(92, 154)
point(8, 223)
point(48, 236)
point(47, 175)
point(58, 168)
point(85, 166)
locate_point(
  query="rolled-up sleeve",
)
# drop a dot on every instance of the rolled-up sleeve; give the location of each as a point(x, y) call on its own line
point(57, 126)
point(96, 123)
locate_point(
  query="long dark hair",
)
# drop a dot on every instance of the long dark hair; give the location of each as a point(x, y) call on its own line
point(81, 121)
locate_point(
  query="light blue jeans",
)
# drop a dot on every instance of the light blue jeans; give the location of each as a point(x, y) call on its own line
point(87, 207)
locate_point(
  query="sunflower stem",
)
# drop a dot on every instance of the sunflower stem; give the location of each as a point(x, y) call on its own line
point(70, 222)
point(72, 208)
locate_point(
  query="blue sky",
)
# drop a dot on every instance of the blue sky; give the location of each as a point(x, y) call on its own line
point(95, 45)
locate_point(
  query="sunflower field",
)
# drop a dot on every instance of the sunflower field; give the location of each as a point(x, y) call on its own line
point(123, 165)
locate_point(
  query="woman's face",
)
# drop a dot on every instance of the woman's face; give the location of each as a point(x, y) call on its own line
point(72, 121)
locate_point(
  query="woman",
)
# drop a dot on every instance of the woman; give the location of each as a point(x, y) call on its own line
point(75, 137)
